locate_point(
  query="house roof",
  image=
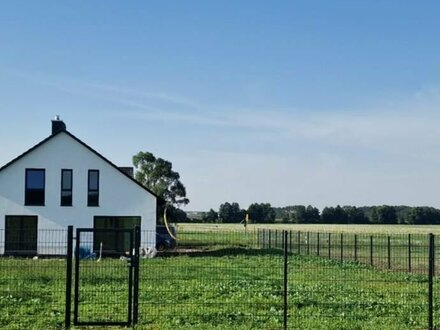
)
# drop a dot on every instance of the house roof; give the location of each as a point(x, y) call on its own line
point(85, 145)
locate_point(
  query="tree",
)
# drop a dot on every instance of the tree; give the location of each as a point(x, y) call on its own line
point(374, 217)
point(210, 216)
point(402, 213)
point(231, 212)
point(334, 215)
point(284, 216)
point(423, 216)
point(283, 213)
point(299, 214)
point(386, 214)
point(176, 215)
point(312, 214)
point(327, 214)
point(355, 215)
point(261, 213)
point(157, 175)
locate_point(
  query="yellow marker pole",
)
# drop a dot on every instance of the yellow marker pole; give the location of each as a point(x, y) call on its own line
point(246, 221)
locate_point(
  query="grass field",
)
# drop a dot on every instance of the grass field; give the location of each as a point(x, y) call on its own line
point(220, 278)
point(398, 251)
point(328, 228)
point(229, 289)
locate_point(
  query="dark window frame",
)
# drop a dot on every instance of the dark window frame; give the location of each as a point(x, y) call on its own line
point(63, 201)
point(27, 190)
point(114, 243)
point(91, 192)
point(23, 243)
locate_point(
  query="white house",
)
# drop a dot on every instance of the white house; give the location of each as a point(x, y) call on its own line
point(62, 181)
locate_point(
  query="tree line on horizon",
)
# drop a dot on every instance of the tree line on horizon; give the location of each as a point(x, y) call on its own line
point(158, 175)
point(265, 213)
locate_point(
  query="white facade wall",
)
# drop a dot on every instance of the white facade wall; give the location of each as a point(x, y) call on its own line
point(118, 194)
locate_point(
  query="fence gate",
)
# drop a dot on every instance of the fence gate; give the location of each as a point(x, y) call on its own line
point(106, 281)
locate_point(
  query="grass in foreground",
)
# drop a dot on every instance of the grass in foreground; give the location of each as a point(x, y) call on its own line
point(225, 289)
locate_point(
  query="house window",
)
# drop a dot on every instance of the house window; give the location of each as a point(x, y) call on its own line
point(35, 184)
point(21, 235)
point(66, 187)
point(111, 241)
point(93, 188)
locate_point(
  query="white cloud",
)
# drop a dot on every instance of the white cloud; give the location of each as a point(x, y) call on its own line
point(381, 155)
point(385, 154)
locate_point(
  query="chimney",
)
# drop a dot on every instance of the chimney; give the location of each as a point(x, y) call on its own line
point(57, 125)
point(127, 170)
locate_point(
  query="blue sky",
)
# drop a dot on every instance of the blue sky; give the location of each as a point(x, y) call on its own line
point(287, 102)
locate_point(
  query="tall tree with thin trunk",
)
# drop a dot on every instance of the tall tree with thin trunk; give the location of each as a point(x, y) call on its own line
point(157, 174)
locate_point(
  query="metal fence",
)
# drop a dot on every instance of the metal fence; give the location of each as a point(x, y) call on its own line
point(32, 288)
point(397, 252)
point(263, 279)
point(213, 280)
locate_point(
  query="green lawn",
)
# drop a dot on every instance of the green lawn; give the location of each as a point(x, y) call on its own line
point(327, 228)
point(221, 288)
point(373, 245)
point(219, 278)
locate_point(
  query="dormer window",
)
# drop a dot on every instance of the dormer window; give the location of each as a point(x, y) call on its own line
point(93, 188)
point(35, 187)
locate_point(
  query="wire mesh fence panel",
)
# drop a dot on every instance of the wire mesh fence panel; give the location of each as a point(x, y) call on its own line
point(398, 252)
point(380, 251)
point(215, 239)
point(103, 280)
point(214, 281)
point(217, 279)
point(32, 286)
point(401, 255)
point(330, 294)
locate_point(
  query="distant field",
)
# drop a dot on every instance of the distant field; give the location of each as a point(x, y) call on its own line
point(392, 247)
point(361, 229)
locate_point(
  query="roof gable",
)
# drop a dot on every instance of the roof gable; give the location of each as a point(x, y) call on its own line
point(84, 145)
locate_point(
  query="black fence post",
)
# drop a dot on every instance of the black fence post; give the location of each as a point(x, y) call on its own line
point(136, 264)
point(409, 253)
point(76, 297)
point(67, 311)
point(276, 239)
point(430, 282)
point(299, 242)
point(258, 238)
point(371, 250)
point(283, 241)
point(308, 243)
point(329, 246)
point(355, 247)
point(389, 252)
point(290, 241)
point(282, 238)
point(285, 284)
point(342, 247)
point(317, 244)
